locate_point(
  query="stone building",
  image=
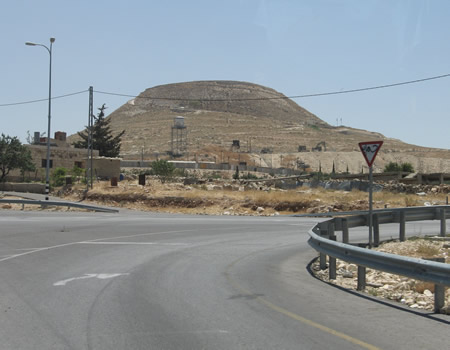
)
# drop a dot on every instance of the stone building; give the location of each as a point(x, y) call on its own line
point(62, 154)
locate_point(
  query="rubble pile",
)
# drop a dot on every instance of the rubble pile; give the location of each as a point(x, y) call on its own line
point(413, 293)
point(397, 187)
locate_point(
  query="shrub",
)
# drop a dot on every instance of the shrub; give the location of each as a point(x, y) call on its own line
point(59, 176)
point(76, 173)
point(394, 166)
point(391, 167)
point(407, 167)
point(163, 169)
point(249, 176)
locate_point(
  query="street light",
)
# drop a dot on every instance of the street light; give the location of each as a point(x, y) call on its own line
point(47, 168)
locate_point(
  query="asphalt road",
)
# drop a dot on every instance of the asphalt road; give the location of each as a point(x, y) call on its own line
point(134, 280)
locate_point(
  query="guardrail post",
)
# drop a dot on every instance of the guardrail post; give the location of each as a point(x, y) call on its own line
point(439, 297)
point(332, 263)
point(322, 261)
point(361, 278)
point(376, 230)
point(402, 226)
point(345, 231)
point(439, 290)
point(322, 256)
point(443, 222)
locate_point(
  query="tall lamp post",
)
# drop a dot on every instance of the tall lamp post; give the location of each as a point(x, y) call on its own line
point(47, 168)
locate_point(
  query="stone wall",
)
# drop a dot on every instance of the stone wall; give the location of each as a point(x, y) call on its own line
point(106, 167)
point(15, 187)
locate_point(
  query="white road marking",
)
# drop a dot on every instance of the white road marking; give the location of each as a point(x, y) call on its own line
point(220, 331)
point(94, 240)
point(101, 276)
point(133, 243)
point(27, 248)
point(37, 250)
point(141, 234)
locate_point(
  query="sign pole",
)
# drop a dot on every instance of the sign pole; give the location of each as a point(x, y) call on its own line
point(369, 151)
point(370, 205)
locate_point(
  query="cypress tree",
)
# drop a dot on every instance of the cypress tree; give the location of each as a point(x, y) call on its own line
point(103, 141)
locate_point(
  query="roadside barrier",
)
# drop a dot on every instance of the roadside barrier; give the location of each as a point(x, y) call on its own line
point(323, 239)
point(58, 203)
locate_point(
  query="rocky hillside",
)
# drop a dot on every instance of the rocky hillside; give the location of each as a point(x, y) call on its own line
point(262, 119)
point(231, 97)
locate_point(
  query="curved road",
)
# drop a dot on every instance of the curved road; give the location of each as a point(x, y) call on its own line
point(155, 281)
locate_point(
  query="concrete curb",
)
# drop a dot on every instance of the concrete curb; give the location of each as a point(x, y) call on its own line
point(59, 203)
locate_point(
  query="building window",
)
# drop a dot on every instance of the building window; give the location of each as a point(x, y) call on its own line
point(44, 163)
point(79, 164)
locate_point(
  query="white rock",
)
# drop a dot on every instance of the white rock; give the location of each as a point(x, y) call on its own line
point(352, 267)
point(260, 209)
point(347, 274)
point(428, 293)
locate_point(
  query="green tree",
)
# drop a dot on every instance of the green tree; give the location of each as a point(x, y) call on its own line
point(396, 167)
point(14, 155)
point(163, 169)
point(102, 140)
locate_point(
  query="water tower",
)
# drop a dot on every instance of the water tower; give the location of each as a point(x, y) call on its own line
point(179, 137)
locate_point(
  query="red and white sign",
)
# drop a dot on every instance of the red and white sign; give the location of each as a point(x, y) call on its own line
point(370, 150)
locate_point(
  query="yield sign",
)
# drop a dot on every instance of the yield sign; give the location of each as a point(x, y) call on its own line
point(370, 150)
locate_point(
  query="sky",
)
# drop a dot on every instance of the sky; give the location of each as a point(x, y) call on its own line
point(296, 47)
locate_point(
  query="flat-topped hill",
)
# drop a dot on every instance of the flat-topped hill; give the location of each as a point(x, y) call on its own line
point(217, 112)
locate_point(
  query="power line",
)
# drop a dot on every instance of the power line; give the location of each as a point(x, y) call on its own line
point(281, 97)
point(235, 99)
point(42, 99)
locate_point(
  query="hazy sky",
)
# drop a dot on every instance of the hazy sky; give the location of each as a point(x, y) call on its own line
point(296, 47)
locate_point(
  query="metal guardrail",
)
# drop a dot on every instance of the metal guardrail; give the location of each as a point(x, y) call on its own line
point(364, 212)
point(58, 203)
point(323, 239)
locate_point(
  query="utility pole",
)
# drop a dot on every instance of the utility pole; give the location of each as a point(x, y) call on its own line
point(89, 161)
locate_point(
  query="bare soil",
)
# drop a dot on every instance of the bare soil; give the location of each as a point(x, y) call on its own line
point(233, 197)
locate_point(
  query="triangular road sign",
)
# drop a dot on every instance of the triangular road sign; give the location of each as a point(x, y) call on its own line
point(370, 150)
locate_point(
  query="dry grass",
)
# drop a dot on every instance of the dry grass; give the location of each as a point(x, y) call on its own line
point(197, 199)
point(428, 249)
point(418, 248)
point(420, 287)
